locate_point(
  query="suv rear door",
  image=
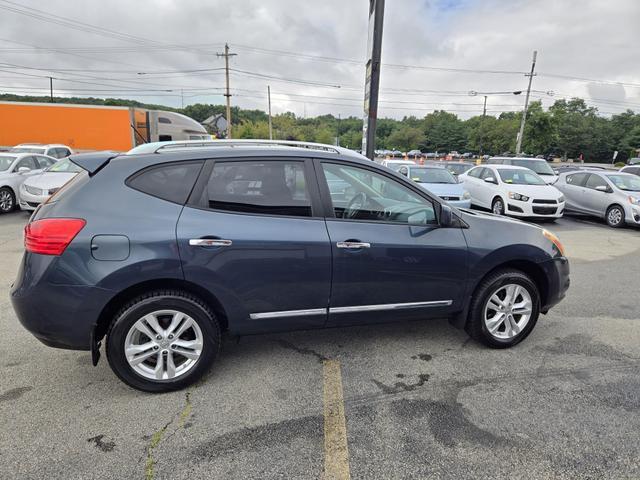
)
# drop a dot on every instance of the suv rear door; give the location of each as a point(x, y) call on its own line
point(387, 265)
point(252, 234)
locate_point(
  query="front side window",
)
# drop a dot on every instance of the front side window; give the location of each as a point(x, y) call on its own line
point(475, 172)
point(261, 187)
point(520, 177)
point(172, 182)
point(360, 194)
point(28, 162)
point(596, 181)
point(487, 173)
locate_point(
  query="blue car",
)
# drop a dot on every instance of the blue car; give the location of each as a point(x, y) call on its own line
point(157, 252)
point(439, 181)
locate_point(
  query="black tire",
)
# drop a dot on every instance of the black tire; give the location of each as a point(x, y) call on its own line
point(151, 302)
point(476, 327)
point(615, 216)
point(496, 205)
point(7, 200)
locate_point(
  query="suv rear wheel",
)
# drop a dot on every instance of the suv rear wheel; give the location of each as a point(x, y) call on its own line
point(163, 341)
point(504, 309)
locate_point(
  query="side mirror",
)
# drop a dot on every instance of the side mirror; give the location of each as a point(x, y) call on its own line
point(446, 216)
point(404, 171)
point(24, 169)
point(491, 180)
point(602, 188)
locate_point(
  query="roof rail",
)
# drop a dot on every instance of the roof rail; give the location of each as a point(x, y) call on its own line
point(158, 147)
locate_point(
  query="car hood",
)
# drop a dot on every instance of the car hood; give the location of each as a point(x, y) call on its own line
point(49, 180)
point(502, 219)
point(444, 189)
point(542, 192)
point(549, 179)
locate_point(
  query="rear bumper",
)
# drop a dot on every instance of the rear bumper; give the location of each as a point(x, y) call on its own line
point(558, 281)
point(61, 316)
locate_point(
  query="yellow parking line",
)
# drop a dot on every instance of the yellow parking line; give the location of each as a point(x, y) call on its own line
point(336, 453)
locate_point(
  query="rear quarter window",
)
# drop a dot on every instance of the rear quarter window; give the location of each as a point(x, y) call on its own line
point(172, 182)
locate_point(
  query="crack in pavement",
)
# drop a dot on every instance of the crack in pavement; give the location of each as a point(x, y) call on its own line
point(159, 436)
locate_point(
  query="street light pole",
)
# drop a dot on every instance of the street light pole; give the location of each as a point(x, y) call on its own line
point(484, 114)
point(526, 105)
point(473, 93)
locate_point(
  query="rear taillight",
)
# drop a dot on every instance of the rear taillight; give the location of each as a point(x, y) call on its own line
point(51, 236)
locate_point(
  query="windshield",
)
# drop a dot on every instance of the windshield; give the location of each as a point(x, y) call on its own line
point(431, 175)
point(541, 167)
point(626, 183)
point(395, 166)
point(27, 149)
point(458, 168)
point(5, 162)
point(520, 177)
point(66, 166)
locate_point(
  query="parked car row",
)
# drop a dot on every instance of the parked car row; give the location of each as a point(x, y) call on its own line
point(29, 174)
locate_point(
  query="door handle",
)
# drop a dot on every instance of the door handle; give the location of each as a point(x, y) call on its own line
point(353, 245)
point(209, 242)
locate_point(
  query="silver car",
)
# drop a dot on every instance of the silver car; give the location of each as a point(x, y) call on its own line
point(614, 196)
point(15, 168)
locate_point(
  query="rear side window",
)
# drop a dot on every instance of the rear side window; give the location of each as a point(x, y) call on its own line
point(577, 179)
point(172, 182)
point(262, 187)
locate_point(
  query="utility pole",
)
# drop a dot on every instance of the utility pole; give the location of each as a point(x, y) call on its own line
point(270, 127)
point(526, 105)
point(226, 56)
point(484, 114)
point(372, 77)
point(51, 88)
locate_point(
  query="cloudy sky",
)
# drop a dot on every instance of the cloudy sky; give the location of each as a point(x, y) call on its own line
point(312, 53)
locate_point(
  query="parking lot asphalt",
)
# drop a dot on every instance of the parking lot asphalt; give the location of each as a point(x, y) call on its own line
point(420, 399)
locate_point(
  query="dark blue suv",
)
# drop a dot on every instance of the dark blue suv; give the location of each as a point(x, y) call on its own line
point(162, 249)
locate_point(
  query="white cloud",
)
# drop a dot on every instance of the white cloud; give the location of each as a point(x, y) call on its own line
point(591, 39)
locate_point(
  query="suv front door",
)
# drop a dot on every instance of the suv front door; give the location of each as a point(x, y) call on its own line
point(391, 259)
point(252, 234)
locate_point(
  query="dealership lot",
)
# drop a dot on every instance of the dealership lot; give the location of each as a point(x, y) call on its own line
point(420, 399)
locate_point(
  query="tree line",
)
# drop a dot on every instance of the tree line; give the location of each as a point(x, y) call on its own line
point(568, 128)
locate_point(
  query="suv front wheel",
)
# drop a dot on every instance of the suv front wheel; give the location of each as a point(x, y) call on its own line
point(504, 309)
point(163, 341)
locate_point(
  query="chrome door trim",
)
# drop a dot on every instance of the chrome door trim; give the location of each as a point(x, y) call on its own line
point(390, 306)
point(288, 313)
point(209, 242)
point(353, 245)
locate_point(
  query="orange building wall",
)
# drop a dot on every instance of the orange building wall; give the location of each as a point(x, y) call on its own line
point(82, 128)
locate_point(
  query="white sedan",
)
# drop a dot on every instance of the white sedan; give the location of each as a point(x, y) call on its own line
point(514, 191)
point(38, 188)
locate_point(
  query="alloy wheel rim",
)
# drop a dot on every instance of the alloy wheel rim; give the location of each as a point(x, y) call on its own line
point(497, 207)
point(6, 202)
point(163, 345)
point(615, 216)
point(508, 311)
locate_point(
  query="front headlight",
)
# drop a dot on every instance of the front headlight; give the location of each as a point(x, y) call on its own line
point(517, 196)
point(634, 200)
point(466, 195)
point(555, 240)
point(561, 199)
